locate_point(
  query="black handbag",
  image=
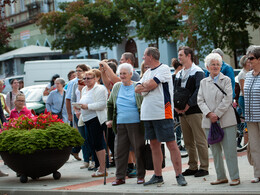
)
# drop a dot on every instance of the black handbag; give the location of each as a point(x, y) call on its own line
point(235, 110)
point(60, 113)
point(149, 158)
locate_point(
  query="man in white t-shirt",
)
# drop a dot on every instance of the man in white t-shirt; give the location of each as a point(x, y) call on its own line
point(157, 114)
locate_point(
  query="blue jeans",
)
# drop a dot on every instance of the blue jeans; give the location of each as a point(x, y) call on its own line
point(86, 149)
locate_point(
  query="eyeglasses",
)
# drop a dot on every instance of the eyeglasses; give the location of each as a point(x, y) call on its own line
point(88, 78)
point(251, 58)
point(20, 100)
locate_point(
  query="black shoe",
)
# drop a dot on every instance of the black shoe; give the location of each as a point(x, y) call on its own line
point(112, 164)
point(189, 172)
point(201, 173)
point(154, 180)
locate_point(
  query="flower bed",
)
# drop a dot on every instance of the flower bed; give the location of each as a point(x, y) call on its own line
point(26, 135)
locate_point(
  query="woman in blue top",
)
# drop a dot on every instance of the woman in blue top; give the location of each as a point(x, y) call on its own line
point(56, 98)
point(123, 114)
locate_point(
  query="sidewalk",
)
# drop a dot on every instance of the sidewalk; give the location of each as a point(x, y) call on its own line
point(78, 181)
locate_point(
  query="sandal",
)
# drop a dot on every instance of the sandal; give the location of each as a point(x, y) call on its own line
point(255, 180)
point(98, 174)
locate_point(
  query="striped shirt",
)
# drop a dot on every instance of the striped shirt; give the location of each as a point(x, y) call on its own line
point(252, 97)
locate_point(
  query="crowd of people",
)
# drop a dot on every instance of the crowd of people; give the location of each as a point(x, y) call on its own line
point(115, 110)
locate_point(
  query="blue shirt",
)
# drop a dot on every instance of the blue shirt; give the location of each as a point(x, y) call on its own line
point(70, 86)
point(127, 111)
point(54, 102)
point(215, 79)
point(228, 71)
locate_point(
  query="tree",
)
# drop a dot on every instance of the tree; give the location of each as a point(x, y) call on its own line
point(83, 24)
point(155, 19)
point(217, 23)
point(5, 31)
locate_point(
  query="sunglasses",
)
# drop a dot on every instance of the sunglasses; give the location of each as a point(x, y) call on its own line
point(86, 78)
point(251, 58)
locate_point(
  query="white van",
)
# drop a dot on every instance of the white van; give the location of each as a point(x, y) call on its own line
point(41, 71)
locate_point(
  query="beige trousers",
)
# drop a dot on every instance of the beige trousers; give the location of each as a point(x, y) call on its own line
point(254, 141)
point(195, 141)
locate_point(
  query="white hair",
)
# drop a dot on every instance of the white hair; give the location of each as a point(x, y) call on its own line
point(126, 66)
point(212, 56)
point(61, 81)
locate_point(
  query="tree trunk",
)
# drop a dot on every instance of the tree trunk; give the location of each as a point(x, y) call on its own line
point(88, 50)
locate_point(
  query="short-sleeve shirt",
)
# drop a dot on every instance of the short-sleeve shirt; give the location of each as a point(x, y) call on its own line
point(70, 86)
point(157, 104)
point(241, 75)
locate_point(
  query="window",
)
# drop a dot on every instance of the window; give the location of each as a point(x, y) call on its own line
point(22, 6)
point(12, 9)
point(47, 43)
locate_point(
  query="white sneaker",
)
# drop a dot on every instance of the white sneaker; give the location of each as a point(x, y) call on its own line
point(3, 174)
point(85, 165)
point(91, 166)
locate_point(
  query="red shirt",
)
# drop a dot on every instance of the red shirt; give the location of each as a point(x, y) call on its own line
point(15, 114)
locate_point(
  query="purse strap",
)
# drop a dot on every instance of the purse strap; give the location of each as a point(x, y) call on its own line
point(63, 100)
point(220, 89)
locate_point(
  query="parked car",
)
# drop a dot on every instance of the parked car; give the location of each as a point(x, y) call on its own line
point(33, 95)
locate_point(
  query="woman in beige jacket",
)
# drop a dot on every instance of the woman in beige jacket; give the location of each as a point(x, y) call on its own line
point(216, 107)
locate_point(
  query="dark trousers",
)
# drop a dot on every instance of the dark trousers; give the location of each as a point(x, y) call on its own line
point(129, 135)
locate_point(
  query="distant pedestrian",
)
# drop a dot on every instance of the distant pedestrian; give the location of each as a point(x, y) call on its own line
point(71, 75)
point(56, 100)
point(10, 96)
point(2, 120)
point(51, 85)
point(2, 98)
point(20, 108)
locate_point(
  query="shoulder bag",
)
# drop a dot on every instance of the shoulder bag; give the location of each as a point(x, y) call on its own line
point(235, 110)
point(181, 96)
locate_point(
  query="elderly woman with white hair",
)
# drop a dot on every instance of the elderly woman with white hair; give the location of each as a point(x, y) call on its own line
point(215, 99)
point(56, 100)
point(123, 114)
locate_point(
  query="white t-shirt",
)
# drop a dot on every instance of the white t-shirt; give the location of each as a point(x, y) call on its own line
point(77, 92)
point(241, 75)
point(158, 103)
point(87, 98)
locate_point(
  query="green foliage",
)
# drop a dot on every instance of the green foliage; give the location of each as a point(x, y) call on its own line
point(217, 23)
point(84, 24)
point(155, 19)
point(58, 135)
